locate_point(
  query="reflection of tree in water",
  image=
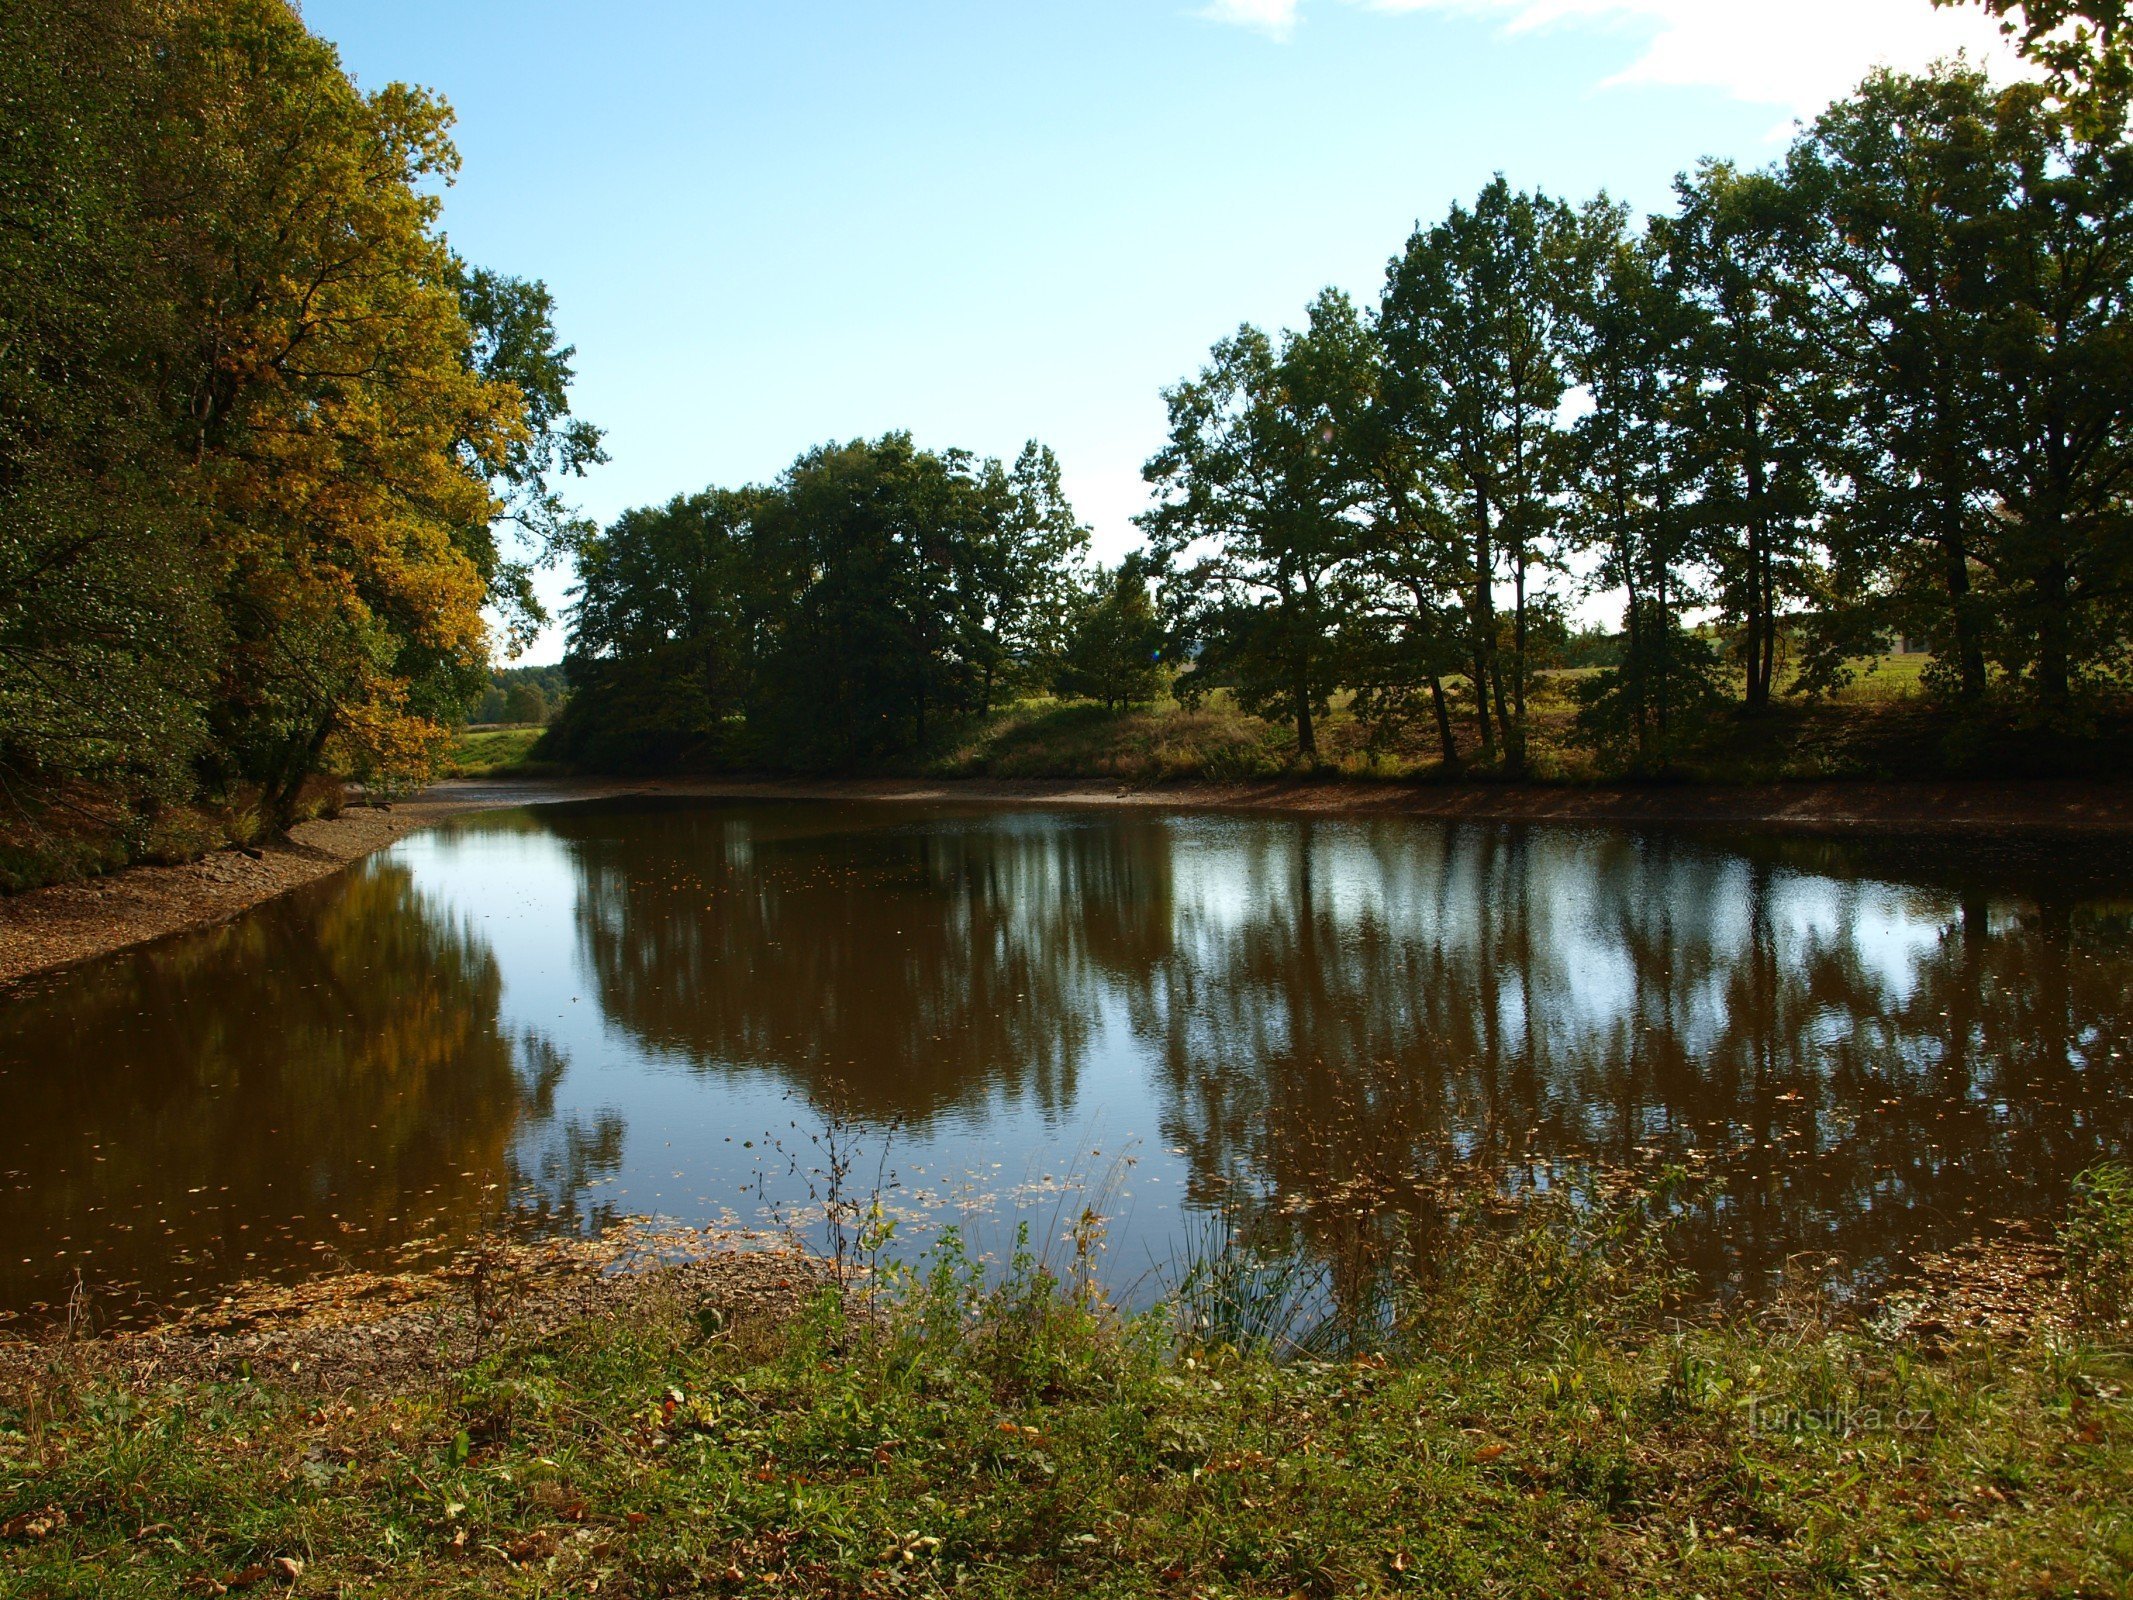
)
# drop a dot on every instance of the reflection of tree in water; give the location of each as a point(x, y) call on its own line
point(324, 1079)
point(918, 964)
point(556, 1163)
point(1364, 1012)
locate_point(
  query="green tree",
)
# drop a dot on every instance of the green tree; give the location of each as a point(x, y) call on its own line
point(1759, 416)
point(1472, 328)
point(1907, 184)
point(2056, 428)
point(2086, 45)
point(1027, 545)
point(1259, 508)
point(525, 703)
point(661, 658)
point(1631, 484)
point(1114, 639)
point(514, 341)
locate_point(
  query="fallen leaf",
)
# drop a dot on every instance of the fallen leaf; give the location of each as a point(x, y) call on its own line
point(34, 1524)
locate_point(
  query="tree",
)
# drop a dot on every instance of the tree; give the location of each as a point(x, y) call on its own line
point(1471, 325)
point(2086, 46)
point(835, 619)
point(1759, 409)
point(1258, 507)
point(247, 432)
point(2057, 422)
point(661, 659)
point(868, 553)
point(512, 322)
point(1631, 480)
point(525, 703)
point(1028, 544)
point(1906, 185)
point(1114, 639)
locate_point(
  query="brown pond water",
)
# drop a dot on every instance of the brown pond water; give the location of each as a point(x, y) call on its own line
point(562, 1015)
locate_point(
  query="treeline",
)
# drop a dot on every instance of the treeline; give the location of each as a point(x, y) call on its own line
point(846, 614)
point(263, 435)
point(1882, 388)
point(522, 695)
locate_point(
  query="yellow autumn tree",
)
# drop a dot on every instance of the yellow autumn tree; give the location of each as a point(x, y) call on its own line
point(348, 442)
point(258, 422)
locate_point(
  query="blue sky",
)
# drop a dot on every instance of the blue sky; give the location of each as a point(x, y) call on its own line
point(772, 224)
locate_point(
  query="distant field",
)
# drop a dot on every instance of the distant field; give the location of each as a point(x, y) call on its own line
point(497, 752)
point(1885, 678)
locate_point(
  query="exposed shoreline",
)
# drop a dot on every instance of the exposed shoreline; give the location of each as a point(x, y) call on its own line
point(61, 925)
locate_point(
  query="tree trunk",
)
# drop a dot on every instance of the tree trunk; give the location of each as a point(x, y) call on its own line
point(300, 763)
point(1515, 734)
point(1484, 620)
point(1759, 644)
point(1969, 653)
point(1443, 708)
point(2055, 678)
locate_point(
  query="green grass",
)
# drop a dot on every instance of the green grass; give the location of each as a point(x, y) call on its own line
point(1144, 744)
point(497, 753)
point(1885, 722)
point(1525, 1420)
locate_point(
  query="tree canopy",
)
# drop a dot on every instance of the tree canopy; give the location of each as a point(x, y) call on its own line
point(840, 617)
point(261, 430)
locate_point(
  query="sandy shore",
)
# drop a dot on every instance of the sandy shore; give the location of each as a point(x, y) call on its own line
point(46, 929)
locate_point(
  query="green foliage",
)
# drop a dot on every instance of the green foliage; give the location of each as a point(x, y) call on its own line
point(522, 694)
point(1258, 510)
point(1881, 388)
point(1114, 640)
point(258, 425)
point(850, 614)
point(1659, 699)
point(1472, 324)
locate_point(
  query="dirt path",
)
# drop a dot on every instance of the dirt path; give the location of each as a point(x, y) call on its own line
point(55, 927)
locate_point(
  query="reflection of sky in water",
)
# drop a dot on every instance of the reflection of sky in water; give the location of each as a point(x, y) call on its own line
point(1868, 1050)
point(688, 1154)
point(1373, 887)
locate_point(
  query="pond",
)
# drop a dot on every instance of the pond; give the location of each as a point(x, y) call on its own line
point(555, 1017)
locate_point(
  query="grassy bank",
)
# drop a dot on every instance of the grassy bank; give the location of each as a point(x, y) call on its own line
point(505, 752)
point(1524, 1419)
point(1882, 725)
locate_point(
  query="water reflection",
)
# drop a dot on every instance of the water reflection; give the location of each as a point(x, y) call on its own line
point(1867, 1049)
point(917, 968)
point(325, 1080)
point(1863, 1068)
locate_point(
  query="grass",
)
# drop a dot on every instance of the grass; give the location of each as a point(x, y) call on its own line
point(1883, 723)
point(503, 752)
point(1524, 1419)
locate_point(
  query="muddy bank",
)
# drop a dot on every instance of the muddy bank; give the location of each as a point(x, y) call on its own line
point(45, 929)
point(2072, 807)
point(49, 928)
point(393, 1332)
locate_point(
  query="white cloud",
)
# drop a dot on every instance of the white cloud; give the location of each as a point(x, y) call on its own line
point(1275, 17)
point(1796, 54)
